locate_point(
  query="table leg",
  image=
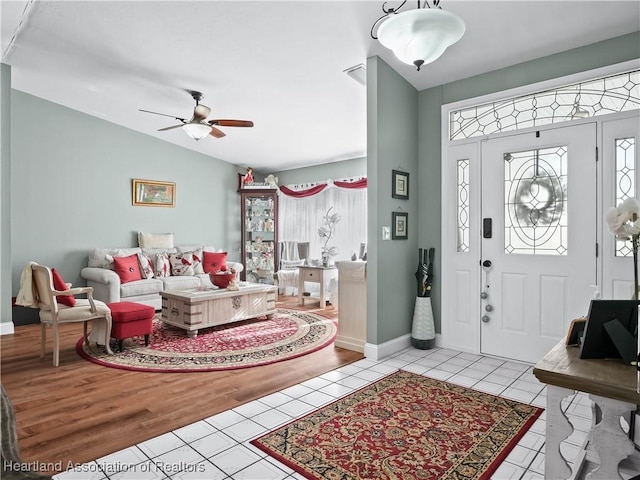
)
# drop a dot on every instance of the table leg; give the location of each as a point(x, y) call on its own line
point(192, 333)
point(300, 289)
point(558, 429)
point(608, 439)
point(323, 298)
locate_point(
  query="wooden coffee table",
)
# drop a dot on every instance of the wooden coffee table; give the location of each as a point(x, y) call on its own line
point(194, 309)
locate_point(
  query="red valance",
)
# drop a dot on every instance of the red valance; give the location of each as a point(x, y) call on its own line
point(362, 183)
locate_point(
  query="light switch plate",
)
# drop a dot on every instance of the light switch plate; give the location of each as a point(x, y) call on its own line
point(386, 233)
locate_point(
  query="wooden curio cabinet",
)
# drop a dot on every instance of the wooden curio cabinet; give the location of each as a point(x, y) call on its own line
point(259, 234)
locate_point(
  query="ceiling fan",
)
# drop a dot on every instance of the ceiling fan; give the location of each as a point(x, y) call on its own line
point(199, 127)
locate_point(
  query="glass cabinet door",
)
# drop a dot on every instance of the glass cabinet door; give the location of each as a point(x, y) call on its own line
point(259, 235)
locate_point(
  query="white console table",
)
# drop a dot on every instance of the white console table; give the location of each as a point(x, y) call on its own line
point(612, 386)
point(320, 275)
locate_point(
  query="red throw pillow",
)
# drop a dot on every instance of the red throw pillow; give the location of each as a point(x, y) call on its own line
point(60, 285)
point(127, 268)
point(212, 261)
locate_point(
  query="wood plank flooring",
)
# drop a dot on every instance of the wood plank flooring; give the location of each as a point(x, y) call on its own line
point(81, 411)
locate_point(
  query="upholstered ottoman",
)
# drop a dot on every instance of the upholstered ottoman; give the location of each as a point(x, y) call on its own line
point(130, 319)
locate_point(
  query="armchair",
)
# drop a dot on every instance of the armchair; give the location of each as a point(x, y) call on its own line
point(292, 254)
point(53, 313)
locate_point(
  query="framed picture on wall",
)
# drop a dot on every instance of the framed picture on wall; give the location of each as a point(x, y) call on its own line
point(400, 185)
point(152, 193)
point(399, 225)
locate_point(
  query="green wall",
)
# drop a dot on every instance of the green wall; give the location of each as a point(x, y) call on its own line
point(72, 189)
point(392, 144)
point(601, 54)
point(5, 198)
point(356, 167)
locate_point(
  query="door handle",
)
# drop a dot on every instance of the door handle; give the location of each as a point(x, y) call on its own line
point(486, 264)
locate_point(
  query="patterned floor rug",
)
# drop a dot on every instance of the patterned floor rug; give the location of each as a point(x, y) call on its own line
point(404, 426)
point(248, 343)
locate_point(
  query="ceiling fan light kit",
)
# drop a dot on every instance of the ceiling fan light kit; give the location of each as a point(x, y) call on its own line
point(197, 130)
point(418, 37)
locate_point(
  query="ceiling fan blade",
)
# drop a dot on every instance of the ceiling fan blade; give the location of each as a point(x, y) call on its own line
point(216, 132)
point(201, 112)
point(169, 128)
point(231, 123)
point(163, 114)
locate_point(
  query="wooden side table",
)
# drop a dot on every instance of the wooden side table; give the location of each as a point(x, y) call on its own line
point(612, 386)
point(321, 275)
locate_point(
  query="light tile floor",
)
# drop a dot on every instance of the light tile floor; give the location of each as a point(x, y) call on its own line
point(218, 447)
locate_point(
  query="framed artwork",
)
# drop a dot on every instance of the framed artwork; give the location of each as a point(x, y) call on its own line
point(151, 193)
point(399, 225)
point(400, 185)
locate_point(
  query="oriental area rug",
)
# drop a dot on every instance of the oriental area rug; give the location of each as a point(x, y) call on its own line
point(404, 426)
point(248, 343)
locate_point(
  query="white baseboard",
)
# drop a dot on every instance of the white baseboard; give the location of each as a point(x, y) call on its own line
point(6, 328)
point(377, 352)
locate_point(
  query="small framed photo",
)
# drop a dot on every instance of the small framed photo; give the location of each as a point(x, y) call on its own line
point(400, 185)
point(152, 193)
point(575, 332)
point(399, 226)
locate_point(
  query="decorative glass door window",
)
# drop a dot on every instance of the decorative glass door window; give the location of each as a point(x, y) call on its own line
point(535, 213)
point(625, 155)
point(612, 94)
point(463, 205)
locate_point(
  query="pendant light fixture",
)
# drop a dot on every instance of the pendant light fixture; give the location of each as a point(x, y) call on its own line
point(418, 37)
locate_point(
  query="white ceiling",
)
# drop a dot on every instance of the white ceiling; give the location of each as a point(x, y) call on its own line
point(279, 64)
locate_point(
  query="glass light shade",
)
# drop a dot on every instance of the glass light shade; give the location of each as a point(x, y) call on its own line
point(197, 130)
point(420, 36)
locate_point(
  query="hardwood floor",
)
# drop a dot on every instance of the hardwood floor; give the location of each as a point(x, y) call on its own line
point(81, 411)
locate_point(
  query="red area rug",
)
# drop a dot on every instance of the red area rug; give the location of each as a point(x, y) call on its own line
point(404, 426)
point(248, 343)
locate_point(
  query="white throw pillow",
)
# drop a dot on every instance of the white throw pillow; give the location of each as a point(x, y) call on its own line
point(291, 264)
point(162, 266)
point(145, 265)
point(181, 264)
point(155, 240)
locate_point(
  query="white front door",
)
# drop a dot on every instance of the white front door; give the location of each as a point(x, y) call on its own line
point(620, 177)
point(538, 245)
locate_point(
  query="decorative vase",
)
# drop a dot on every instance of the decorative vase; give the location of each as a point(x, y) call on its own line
point(423, 331)
point(325, 259)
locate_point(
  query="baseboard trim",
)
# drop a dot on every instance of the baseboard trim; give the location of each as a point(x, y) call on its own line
point(376, 352)
point(6, 328)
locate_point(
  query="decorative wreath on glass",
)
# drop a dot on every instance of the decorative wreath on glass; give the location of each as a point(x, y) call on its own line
point(624, 223)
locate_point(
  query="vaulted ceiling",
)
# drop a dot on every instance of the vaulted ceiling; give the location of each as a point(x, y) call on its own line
point(280, 64)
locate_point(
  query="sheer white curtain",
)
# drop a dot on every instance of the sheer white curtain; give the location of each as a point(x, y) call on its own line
point(300, 218)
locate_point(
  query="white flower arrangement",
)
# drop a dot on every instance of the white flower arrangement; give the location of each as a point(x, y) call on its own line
point(624, 222)
point(326, 231)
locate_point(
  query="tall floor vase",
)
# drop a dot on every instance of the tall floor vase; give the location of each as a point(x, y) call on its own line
point(423, 331)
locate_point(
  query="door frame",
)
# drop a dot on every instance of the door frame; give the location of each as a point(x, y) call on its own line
point(460, 326)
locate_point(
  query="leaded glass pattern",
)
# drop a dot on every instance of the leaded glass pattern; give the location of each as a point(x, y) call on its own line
point(625, 156)
point(612, 94)
point(463, 205)
point(535, 214)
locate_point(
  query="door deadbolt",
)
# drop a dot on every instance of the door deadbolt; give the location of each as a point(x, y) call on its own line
point(488, 308)
point(485, 318)
point(484, 295)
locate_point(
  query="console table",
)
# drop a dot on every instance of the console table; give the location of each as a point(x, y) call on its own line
point(321, 275)
point(612, 386)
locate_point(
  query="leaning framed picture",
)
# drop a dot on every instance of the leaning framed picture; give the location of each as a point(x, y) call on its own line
point(399, 225)
point(400, 184)
point(152, 193)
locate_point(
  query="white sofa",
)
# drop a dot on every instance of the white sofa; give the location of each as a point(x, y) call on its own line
point(108, 288)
